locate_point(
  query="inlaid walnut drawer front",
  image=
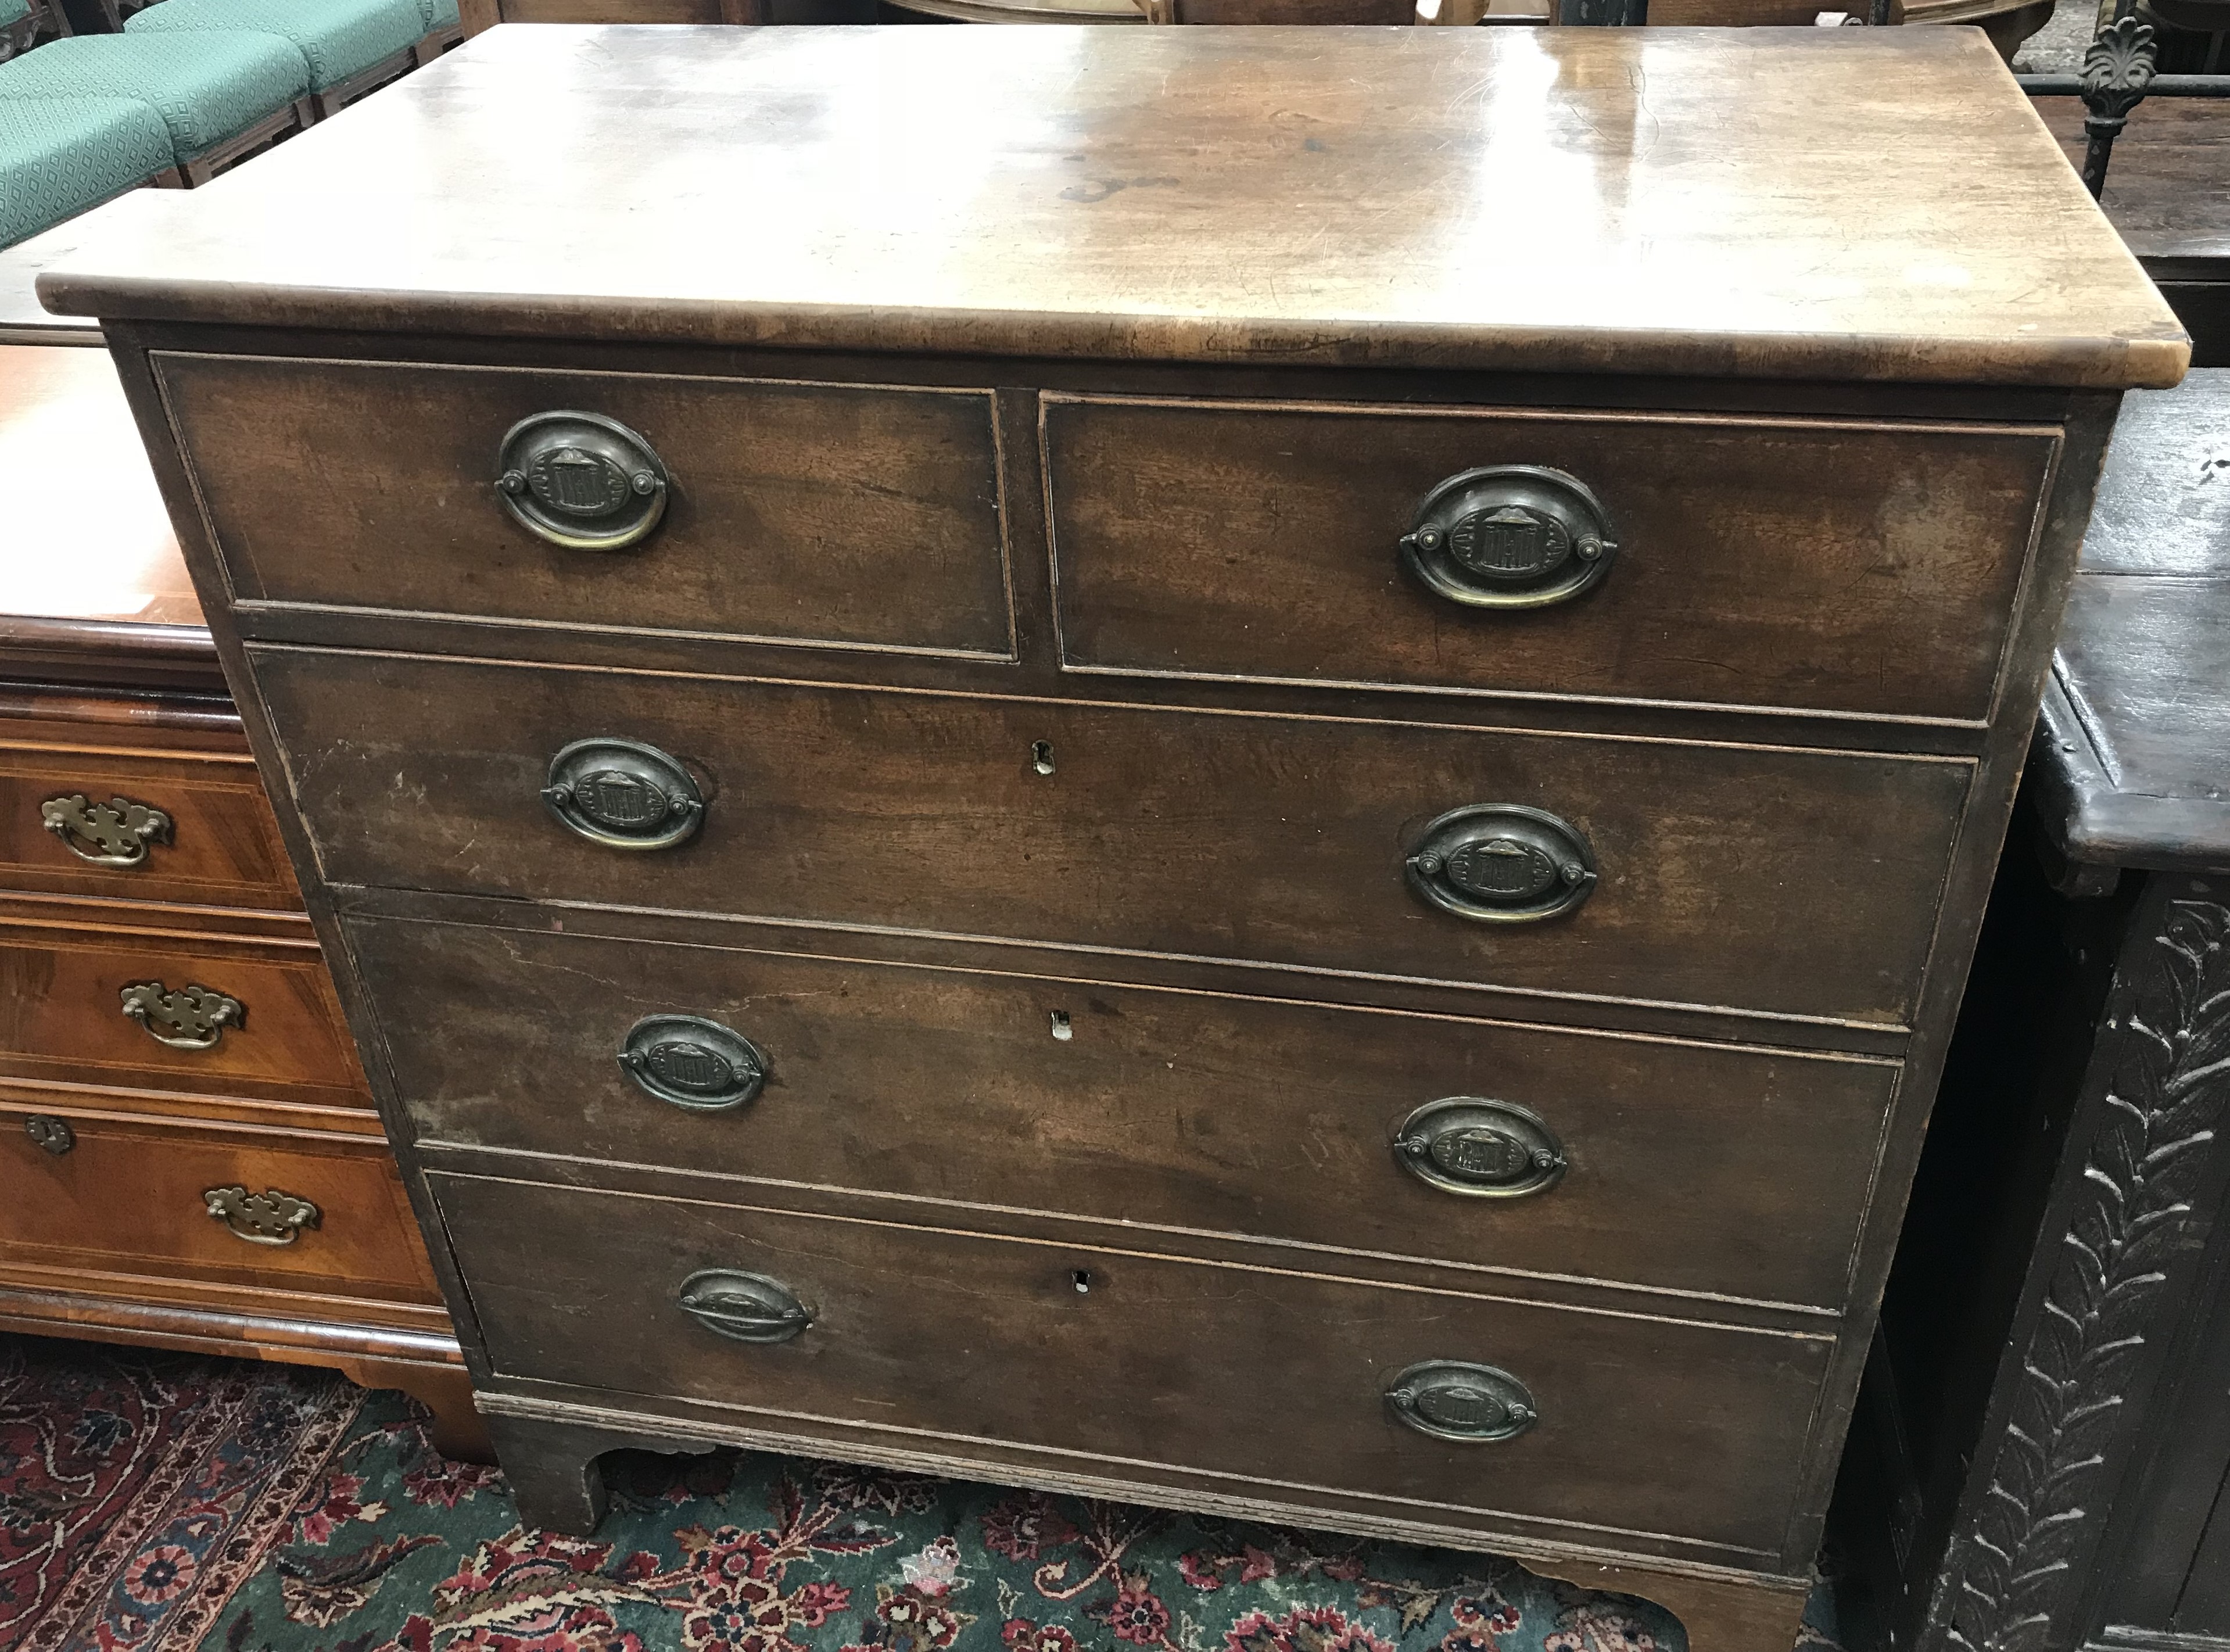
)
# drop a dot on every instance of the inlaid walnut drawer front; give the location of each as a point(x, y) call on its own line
point(96, 1002)
point(141, 826)
point(938, 1337)
point(141, 1196)
point(834, 515)
point(1835, 565)
point(1183, 1110)
point(1800, 882)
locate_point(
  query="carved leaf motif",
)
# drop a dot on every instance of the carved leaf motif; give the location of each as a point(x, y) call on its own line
point(2018, 1571)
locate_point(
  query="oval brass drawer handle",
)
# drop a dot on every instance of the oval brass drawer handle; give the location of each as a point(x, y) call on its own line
point(1502, 863)
point(1452, 1399)
point(623, 794)
point(118, 833)
point(581, 481)
point(193, 1017)
point(688, 1061)
point(267, 1218)
point(747, 1307)
point(1509, 536)
point(1482, 1148)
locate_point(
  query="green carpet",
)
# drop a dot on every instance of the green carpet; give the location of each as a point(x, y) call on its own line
point(397, 1550)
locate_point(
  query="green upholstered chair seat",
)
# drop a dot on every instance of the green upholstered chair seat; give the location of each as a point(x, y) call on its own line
point(14, 11)
point(206, 88)
point(434, 14)
point(338, 39)
point(59, 156)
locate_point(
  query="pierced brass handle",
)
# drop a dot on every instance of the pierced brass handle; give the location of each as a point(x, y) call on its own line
point(193, 1017)
point(267, 1218)
point(1453, 1399)
point(118, 833)
point(1509, 536)
point(1488, 1150)
point(692, 1063)
point(581, 481)
point(746, 1307)
point(1502, 863)
point(623, 794)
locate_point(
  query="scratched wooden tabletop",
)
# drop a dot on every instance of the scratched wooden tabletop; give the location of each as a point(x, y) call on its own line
point(1720, 202)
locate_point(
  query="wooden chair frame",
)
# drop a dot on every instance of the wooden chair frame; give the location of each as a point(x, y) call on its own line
point(23, 33)
point(197, 170)
point(337, 97)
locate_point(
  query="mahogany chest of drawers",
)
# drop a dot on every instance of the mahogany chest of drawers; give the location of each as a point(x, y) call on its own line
point(1245, 768)
point(189, 1151)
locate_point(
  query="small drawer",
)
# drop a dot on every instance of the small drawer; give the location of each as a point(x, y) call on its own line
point(137, 1196)
point(1116, 1362)
point(98, 1001)
point(1182, 1111)
point(843, 515)
point(1846, 566)
point(1797, 881)
point(141, 826)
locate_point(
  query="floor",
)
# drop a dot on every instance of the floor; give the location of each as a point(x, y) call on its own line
point(2058, 48)
point(157, 1502)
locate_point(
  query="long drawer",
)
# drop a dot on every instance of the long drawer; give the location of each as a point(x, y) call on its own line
point(154, 1199)
point(1795, 881)
point(1688, 1166)
point(1852, 566)
point(193, 828)
point(109, 997)
point(855, 515)
point(1100, 1356)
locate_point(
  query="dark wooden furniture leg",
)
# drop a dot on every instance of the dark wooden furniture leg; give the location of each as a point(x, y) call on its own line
point(1719, 1615)
point(556, 1487)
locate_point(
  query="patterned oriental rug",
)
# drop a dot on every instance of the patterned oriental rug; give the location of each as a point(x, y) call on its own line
point(161, 1503)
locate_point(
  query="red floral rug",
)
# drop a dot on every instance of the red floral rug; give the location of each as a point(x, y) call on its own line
point(139, 1491)
point(162, 1504)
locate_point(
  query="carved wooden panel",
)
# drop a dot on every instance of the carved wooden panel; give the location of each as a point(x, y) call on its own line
point(2158, 1086)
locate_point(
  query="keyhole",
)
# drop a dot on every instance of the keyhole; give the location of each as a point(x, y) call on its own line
point(1081, 1278)
point(1042, 756)
point(1061, 1029)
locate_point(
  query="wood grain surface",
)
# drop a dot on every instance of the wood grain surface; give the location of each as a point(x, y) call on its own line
point(62, 971)
point(1788, 881)
point(1254, 540)
point(128, 1196)
point(1560, 199)
point(223, 847)
point(944, 1336)
point(847, 514)
point(1182, 1111)
point(2133, 755)
point(2163, 505)
point(2164, 189)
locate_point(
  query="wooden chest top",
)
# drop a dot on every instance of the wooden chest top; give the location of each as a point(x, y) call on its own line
point(1726, 202)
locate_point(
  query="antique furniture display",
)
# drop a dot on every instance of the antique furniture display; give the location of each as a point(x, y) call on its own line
point(191, 1156)
point(2046, 1424)
point(1043, 804)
